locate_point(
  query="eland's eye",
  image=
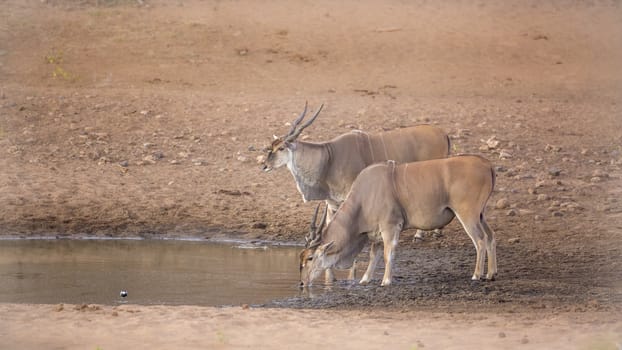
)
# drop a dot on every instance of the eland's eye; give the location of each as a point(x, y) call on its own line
point(310, 258)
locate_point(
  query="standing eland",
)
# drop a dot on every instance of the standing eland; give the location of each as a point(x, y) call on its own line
point(387, 198)
point(326, 170)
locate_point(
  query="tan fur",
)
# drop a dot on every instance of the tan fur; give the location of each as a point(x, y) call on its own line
point(387, 198)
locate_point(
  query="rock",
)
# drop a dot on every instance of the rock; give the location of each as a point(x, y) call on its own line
point(596, 179)
point(557, 214)
point(543, 197)
point(554, 172)
point(532, 190)
point(514, 240)
point(242, 159)
point(511, 212)
point(551, 148)
point(600, 173)
point(502, 203)
point(59, 307)
point(124, 163)
point(492, 142)
point(260, 225)
point(199, 162)
point(540, 183)
point(505, 154)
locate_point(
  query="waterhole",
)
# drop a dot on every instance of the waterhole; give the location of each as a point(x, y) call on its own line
point(151, 271)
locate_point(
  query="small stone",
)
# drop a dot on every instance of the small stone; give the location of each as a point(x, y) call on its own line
point(554, 172)
point(600, 173)
point(115, 314)
point(175, 162)
point(557, 214)
point(492, 142)
point(596, 179)
point(511, 212)
point(532, 190)
point(542, 197)
point(59, 307)
point(501, 335)
point(245, 307)
point(242, 159)
point(124, 163)
point(540, 183)
point(514, 240)
point(585, 152)
point(502, 203)
point(551, 148)
point(260, 225)
point(505, 154)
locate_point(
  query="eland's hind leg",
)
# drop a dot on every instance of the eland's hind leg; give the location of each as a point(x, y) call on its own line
point(491, 247)
point(475, 231)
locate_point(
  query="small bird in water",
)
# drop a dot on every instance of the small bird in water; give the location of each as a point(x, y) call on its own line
point(123, 293)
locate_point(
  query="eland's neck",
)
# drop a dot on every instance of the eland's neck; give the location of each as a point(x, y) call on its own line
point(307, 165)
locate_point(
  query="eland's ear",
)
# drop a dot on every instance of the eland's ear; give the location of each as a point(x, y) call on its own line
point(324, 247)
point(289, 145)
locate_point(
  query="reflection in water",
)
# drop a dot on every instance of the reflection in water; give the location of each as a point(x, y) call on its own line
point(152, 272)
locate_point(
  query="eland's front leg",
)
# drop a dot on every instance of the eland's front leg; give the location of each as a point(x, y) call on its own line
point(390, 239)
point(374, 256)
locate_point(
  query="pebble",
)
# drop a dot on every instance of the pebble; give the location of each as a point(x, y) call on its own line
point(543, 197)
point(124, 163)
point(557, 214)
point(505, 154)
point(600, 173)
point(502, 203)
point(554, 172)
point(511, 212)
point(551, 148)
point(596, 179)
point(514, 240)
point(492, 142)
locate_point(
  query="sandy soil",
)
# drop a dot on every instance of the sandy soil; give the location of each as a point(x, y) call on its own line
point(184, 327)
point(126, 118)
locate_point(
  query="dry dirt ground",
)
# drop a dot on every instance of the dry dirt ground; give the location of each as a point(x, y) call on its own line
point(146, 118)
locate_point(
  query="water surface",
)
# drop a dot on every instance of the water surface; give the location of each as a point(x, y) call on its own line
point(152, 272)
